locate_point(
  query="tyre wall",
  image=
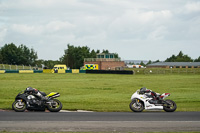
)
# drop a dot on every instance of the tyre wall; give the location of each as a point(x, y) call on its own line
point(110, 71)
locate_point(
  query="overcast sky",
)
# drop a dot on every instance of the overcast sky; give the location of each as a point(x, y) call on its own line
point(135, 29)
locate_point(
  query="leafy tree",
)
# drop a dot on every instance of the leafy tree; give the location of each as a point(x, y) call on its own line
point(180, 54)
point(105, 51)
point(98, 51)
point(197, 60)
point(171, 59)
point(50, 63)
point(39, 63)
point(1, 57)
point(179, 58)
point(74, 56)
point(149, 62)
point(11, 54)
point(156, 61)
point(131, 63)
point(142, 63)
point(116, 55)
point(93, 54)
point(47, 63)
point(27, 56)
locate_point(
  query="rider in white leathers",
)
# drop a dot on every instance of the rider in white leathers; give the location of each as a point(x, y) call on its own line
point(151, 93)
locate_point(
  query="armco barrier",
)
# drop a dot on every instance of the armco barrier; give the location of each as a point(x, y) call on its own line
point(2, 71)
point(75, 70)
point(82, 71)
point(25, 71)
point(61, 71)
point(48, 71)
point(38, 71)
point(109, 71)
point(11, 71)
point(68, 71)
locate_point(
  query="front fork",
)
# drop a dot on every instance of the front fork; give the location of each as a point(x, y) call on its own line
point(137, 102)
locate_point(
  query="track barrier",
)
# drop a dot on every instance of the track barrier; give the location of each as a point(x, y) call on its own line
point(26, 71)
point(2, 71)
point(48, 71)
point(75, 70)
point(110, 71)
point(70, 71)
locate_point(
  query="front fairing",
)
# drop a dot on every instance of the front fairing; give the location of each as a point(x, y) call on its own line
point(21, 96)
point(137, 95)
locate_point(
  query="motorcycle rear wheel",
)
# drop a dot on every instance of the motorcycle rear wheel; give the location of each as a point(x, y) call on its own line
point(136, 108)
point(55, 106)
point(19, 106)
point(170, 108)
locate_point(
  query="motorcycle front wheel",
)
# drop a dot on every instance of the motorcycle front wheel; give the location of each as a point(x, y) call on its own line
point(54, 105)
point(170, 107)
point(19, 106)
point(136, 107)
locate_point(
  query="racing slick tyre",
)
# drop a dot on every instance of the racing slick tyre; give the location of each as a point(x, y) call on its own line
point(54, 106)
point(19, 106)
point(170, 107)
point(136, 106)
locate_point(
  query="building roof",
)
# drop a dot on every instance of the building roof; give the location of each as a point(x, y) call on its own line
point(175, 64)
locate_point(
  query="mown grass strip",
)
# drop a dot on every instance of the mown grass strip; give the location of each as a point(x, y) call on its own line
point(102, 92)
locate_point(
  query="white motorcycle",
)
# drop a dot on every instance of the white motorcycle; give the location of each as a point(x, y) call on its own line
point(142, 100)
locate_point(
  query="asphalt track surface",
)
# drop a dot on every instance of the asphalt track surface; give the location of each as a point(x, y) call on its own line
point(99, 121)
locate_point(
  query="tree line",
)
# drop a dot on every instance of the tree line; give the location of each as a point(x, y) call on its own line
point(181, 58)
point(11, 54)
point(73, 56)
point(177, 58)
point(22, 55)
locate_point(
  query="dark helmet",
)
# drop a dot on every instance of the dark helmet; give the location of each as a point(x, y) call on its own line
point(143, 89)
point(29, 89)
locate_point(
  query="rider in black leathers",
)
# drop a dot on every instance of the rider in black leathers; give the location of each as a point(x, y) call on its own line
point(36, 92)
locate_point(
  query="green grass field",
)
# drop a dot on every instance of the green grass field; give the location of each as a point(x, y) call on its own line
point(103, 92)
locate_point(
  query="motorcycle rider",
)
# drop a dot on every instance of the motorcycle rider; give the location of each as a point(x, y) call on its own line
point(144, 90)
point(36, 92)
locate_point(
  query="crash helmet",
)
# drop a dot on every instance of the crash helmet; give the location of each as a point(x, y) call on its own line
point(29, 89)
point(143, 90)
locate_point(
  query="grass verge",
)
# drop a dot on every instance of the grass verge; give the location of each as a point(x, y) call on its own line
point(102, 92)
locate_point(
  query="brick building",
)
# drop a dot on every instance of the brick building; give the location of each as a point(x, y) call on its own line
point(106, 62)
